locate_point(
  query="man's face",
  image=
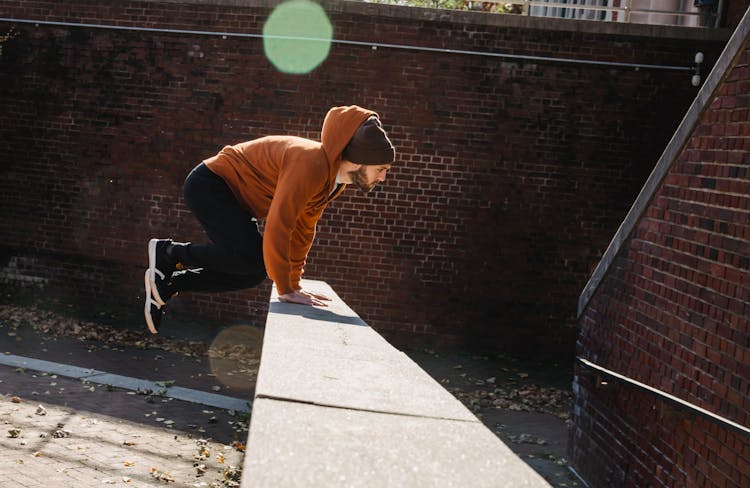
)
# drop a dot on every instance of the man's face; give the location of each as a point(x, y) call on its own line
point(367, 176)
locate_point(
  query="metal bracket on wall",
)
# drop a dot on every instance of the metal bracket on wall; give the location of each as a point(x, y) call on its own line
point(593, 377)
point(601, 381)
point(668, 412)
point(696, 80)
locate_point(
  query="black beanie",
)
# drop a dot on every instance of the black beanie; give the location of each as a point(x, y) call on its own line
point(370, 145)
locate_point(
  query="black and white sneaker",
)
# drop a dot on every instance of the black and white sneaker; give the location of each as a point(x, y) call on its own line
point(160, 267)
point(152, 310)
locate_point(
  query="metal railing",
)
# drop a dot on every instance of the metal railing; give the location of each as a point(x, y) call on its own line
point(687, 406)
point(707, 13)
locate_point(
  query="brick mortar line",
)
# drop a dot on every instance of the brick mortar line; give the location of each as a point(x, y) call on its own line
point(678, 292)
point(679, 252)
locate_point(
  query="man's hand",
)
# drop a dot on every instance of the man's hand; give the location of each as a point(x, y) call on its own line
point(304, 298)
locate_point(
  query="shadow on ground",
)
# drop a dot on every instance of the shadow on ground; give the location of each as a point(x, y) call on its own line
point(525, 404)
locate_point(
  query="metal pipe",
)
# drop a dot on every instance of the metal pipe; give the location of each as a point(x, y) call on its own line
point(352, 43)
point(672, 398)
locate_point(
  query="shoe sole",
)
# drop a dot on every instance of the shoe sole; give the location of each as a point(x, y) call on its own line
point(152, 271)
point(147, 306)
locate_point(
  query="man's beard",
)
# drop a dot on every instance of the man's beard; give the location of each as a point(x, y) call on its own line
point(359, 179)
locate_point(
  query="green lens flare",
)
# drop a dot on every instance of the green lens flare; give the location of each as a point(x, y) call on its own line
point(297, 36)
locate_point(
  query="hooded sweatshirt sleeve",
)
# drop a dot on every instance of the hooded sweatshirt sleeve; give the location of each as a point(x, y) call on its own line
point(297, 185)
point(302, 239)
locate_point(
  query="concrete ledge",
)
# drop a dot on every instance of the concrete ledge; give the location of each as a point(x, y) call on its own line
point(336, 405)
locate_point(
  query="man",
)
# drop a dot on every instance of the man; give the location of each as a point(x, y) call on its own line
point(286, 180)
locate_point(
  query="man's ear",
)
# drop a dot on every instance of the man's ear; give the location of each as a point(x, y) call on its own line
point(350, 165)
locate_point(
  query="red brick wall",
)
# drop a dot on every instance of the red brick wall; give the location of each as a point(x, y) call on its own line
point(511, 174)
point(673, 312)
point(735, 10)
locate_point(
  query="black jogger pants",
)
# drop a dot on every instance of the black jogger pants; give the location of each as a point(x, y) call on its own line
point(233, 260)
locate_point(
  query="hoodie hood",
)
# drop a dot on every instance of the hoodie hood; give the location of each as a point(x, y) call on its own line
point(339, 127)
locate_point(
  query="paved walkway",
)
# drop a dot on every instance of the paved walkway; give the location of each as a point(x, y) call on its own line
point(62, 432)
point(98, 435)
point(93, 413)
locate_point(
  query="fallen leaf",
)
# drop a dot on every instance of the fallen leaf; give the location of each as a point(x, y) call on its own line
point(129, 464)
point(60, 433)
point(57, 325)
point(527, 439)
point(15, 399)
point(232, 476)
point(161, 476)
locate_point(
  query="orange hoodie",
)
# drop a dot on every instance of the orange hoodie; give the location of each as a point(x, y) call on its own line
point(288, 181)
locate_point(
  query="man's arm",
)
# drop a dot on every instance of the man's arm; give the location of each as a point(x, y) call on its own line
point(302, 239)
point(294, 189)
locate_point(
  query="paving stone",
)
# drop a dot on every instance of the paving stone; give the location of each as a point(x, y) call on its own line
point(119, 445)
